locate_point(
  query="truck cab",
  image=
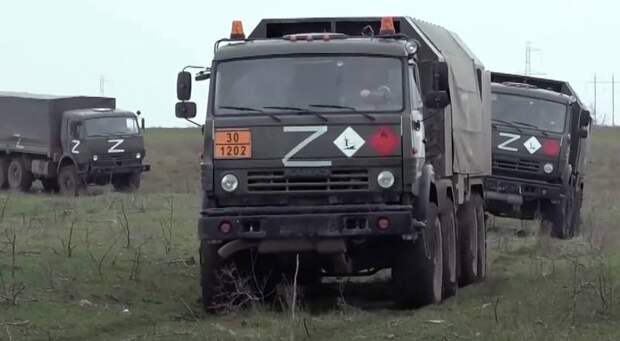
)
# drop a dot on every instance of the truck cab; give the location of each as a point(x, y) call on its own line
point(104, 146)
point(317, 152)
point(540, 139)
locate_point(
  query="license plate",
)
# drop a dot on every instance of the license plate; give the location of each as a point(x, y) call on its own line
point(233, 144)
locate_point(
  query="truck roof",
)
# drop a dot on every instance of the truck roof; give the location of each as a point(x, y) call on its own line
point(42, 97)
point(98, 112)
point(271, 47)
point(529, 91)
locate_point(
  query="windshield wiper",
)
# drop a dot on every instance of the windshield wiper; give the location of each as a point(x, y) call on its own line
point(507, 124)
point(298, 110)
point(530, 126)
point(330, 106)
point(274, 117)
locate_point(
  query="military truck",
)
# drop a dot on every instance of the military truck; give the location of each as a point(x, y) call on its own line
point(68, 143)
point(540, 144)
point(350, 144)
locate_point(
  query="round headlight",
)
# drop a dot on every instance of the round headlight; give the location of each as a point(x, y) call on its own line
point(548, 168)
point(138, 156)
point(385, 179)
point(95, 157)
point(230, 183)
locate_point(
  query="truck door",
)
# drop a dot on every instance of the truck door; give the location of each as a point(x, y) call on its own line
point(72, 137)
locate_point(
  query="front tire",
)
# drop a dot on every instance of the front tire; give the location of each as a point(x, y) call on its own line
point(4, 173)
point(210, 264)
point(468, 240)
point(417, 272)
point(450, 250)
point(69, 182)
point(19, 177)
point(127, 182)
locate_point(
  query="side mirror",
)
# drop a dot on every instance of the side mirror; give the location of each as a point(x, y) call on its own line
point(434, 76)
point(185, 110)
point(583, 133)
point(585, 119)
point(437, 99)
point(203, 75)
point(143, 124)
point(184, 86)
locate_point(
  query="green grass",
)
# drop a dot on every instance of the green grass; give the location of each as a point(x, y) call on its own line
point(534, 290)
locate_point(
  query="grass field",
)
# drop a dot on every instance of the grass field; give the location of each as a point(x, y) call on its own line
point(123, 267)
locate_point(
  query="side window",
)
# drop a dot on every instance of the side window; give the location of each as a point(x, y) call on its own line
point(74, 129)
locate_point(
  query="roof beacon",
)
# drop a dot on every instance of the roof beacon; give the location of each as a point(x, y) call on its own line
point(237, 30)
point(387, 26)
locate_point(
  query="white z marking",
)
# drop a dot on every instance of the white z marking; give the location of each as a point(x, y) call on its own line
point(114, 148)
point(317, 131)
point(511, 138)
point(76, 144)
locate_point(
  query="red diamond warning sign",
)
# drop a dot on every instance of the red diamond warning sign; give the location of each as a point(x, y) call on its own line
point(383, 141)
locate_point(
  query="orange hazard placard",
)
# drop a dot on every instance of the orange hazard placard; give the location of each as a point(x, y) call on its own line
point(233, 144)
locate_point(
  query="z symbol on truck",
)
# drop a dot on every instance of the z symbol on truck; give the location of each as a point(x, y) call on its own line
point(316, 131)
point(511, 138)
point(76, 144)
point(115, 146)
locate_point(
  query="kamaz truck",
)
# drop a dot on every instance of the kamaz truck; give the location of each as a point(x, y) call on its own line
point(541, 136)
point(342, 147)
point(68, 143)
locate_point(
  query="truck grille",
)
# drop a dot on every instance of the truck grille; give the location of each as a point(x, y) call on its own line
point(335, 180)
point(522, 165)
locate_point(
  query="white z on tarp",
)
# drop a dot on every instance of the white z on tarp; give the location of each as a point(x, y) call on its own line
point(511, 138)
point(316, 132)
point(115, 144)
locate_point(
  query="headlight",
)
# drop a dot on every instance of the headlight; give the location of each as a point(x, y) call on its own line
point(138, 156)
point(548, 168)
point(230, 183)
point(385, 179)
point(95, 157)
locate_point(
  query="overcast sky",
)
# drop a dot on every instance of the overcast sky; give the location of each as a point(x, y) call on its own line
point(63, 46)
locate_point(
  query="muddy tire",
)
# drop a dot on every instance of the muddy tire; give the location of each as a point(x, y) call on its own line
point(450, 250)
point(4, 173)
point(482, 237)
point(556, 219)
point(210, 265)
point(417, 272)
point(468, 241)
point(19, 177)
point(127, 182)
point(69, 182)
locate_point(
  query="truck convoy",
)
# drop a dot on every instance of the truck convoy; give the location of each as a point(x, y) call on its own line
point(67, 143)
point(541, 137)
point(350, 145)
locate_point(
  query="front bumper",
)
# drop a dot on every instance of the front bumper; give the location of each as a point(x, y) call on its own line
point(518, 191)
point(97, 170)
point(300, 222)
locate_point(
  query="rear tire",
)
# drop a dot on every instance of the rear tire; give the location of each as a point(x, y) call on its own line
point(556, 217)
point(4, 173)
point(468, 241)
point(482, 237)
point(417, 272)
point(19, 177)
point(450, 251)
point(210, 264)
point(69, 182)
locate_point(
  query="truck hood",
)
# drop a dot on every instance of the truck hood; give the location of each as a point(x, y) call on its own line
point(307, 141)
point(114, 145)
point(525, 152)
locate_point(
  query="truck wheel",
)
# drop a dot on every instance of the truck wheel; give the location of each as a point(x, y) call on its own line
point(450, 261)
point(50, 185)
point(576, 216)
point(555, 217)
point(69, 182)
point(210, 264)
point(417, 272)
point(127, 182)
point(19, 177)
point(4, 172)
point(482, 236)
point(468, 241)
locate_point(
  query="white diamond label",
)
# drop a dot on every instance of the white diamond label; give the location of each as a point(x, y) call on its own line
point(349, 142)
point(532, 145)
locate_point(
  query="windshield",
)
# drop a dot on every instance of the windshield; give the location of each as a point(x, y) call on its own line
point(362, 83)
point(524, 111)
point(111, 126)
